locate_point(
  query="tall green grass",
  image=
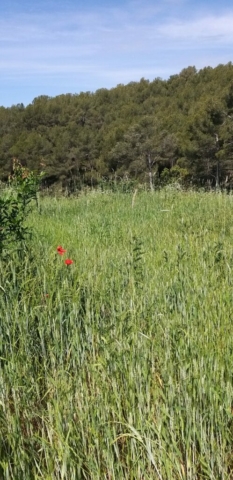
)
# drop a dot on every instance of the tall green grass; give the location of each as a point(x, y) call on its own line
point(120, 365)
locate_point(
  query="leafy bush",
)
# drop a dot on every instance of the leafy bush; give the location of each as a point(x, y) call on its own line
point(14, 203)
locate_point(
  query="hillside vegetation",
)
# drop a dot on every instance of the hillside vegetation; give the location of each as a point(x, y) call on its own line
point(119, 365)
point(146, 131)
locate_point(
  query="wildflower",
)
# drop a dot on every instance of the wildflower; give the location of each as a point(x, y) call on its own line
point(44, 297)
point(68, 261)
point(60, 250)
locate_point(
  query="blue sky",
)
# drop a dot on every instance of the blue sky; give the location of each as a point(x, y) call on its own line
point(49, 47)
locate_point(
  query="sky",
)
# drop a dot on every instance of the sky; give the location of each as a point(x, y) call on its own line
point(53, 47)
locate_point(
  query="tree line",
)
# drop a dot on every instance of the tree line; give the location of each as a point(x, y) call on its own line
point(148, 131)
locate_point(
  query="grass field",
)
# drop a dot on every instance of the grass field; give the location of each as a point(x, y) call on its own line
point(120, 365)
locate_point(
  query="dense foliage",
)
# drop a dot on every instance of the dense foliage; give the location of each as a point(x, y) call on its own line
point(150, 131)
point(14, 202)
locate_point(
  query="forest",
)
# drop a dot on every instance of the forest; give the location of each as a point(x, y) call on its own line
point(150, 132)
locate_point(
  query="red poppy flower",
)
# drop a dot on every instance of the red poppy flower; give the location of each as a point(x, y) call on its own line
point(68, 261)
point(60, 250)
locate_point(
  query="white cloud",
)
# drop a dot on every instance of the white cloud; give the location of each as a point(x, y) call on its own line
point(112, 45)
point(206, 28)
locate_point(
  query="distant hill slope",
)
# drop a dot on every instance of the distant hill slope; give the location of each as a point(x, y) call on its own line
point(145, 130)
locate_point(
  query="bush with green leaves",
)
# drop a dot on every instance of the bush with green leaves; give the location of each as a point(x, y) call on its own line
point(14, 206)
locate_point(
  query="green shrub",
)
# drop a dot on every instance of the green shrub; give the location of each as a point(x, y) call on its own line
point(14, 206)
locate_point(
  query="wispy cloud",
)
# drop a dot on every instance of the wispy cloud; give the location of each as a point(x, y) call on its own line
point(111, 45)
point(207, 28)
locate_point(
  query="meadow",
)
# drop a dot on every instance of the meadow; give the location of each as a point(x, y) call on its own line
point(119, 365)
